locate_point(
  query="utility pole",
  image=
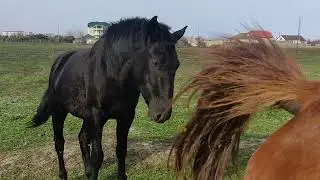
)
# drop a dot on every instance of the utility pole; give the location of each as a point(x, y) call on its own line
point(299, 26)
point(58, 33)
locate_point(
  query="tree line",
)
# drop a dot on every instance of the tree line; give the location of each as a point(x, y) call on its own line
point(38, 38)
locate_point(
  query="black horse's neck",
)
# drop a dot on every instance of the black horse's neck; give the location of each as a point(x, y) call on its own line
point(121, 45)
point(116, 62)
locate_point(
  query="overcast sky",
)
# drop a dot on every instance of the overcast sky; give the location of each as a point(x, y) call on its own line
point(207, 17)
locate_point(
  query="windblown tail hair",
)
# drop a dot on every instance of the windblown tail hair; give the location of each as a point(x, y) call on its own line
point(242, 79)
point(43, 112)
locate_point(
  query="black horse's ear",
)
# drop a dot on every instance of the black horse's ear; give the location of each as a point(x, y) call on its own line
point(154, 20)
point(178, 34)
point(153, 24)
point(152, 27)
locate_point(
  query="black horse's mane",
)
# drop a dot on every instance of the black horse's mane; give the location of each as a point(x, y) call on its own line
point(122, 36)
point(128, 28)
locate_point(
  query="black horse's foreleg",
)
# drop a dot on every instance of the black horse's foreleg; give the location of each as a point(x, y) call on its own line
point(123, 126)
point(84, 142)
point(95, 126)
point(58, 118)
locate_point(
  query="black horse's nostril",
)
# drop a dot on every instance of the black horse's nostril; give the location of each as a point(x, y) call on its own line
point(158, 116)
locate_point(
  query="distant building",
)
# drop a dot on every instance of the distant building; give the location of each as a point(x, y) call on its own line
point(292, 39)
point(205, 42)
point(89, 39)
point(195, 41)
point(192, 41)
point(86, 39)
point(260, 34)
point(251, 35)
point(50, 34)
point(214, 42)
point(15, 33)
point(96, 29)
point(241, 37)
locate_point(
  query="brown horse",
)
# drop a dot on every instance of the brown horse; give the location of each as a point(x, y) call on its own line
point(244, 78)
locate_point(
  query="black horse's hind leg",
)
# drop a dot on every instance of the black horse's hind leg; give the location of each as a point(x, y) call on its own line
point(123, 126)
point(58, 117)
point(84, 142)
point(95, 127)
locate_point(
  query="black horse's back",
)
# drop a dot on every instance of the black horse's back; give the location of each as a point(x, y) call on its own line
point(71, 83)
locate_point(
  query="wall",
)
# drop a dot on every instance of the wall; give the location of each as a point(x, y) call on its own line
point(290, 44)
point(214, 42)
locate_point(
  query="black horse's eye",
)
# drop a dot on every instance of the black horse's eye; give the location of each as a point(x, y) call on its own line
point(155, 62)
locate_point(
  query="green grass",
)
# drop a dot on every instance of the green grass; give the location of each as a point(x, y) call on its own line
point(29, 153)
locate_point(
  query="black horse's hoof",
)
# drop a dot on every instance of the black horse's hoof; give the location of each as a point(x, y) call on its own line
point(63, 178)
point(88, 174)
point(122, 176)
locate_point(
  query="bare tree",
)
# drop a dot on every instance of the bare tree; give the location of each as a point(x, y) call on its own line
point(200, 41)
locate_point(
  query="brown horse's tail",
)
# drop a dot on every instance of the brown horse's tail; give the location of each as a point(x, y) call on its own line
point(242, 78)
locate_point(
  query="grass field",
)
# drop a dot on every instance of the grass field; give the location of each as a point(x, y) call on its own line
point(29, 153)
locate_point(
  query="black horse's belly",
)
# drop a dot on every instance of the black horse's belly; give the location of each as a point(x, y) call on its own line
point(70, 91)
point(73, 100)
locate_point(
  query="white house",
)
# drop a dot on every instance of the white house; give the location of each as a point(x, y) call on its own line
point(96, 29)
point(293, 39)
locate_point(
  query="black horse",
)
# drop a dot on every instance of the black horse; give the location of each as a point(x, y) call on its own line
point(133, 56)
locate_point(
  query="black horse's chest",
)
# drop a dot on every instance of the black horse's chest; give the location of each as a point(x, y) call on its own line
point(116, 105)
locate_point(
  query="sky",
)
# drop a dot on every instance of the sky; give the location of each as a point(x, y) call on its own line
point(205, 17)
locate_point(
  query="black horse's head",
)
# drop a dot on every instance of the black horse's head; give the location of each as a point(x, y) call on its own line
point(159, 73)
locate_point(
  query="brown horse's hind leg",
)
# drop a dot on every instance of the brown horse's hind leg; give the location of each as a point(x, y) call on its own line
point(58, 117)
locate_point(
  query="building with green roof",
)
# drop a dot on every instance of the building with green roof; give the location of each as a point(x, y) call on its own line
point(96, 28)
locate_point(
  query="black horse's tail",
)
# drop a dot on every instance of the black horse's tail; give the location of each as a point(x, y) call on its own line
point(44, 109)
point(43, 112)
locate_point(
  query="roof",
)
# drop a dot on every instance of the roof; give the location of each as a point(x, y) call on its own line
point(241, 36)
point(256, 33)
point(90, 24)
point(293, 37)
point(260, 34)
